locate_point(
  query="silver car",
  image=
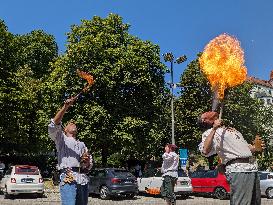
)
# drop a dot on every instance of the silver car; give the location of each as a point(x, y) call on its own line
point(266, 181)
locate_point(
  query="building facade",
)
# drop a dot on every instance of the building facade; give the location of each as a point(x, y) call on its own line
point(263, 89)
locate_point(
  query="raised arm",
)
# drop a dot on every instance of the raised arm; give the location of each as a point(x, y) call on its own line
point(59, 116)
point(209, 139)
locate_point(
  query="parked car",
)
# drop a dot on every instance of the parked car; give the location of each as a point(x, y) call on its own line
point(2, 169)
point(266, 183)
point(22, 179)
point(150, 183)
point(109, 182)
point(210, 182)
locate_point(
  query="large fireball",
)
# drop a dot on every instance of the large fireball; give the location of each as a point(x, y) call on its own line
point(223, 63)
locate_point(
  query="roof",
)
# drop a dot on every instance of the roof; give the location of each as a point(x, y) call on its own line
point(257, 81)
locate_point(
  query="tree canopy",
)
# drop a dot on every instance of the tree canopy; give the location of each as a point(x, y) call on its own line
point(124, 110)
point(24, 65)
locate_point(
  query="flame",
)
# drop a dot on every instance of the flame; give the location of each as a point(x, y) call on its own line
point(154, 191)
point(223, 63)
point(86, 76)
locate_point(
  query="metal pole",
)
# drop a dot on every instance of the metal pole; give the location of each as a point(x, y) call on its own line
point(172, 85)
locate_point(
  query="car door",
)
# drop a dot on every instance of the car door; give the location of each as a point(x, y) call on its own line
point(209, 181)
point(102, 178)
point(6, 177)
point(263, 181)
point(94, 182)
point(197, 181)
point(144, 182)
point(156, 180)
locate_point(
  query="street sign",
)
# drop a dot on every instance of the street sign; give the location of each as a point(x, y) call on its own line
point(183, 155)
point(183, 161)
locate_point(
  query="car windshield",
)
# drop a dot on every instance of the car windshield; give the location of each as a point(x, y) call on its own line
point(182, 173)
point(263, 176)
point(27, 170)
point(122, 173)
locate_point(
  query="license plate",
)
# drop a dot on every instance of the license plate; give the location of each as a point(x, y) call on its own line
point(27, 180)
point(127, 182)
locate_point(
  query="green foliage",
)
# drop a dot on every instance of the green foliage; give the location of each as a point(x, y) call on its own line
point(126, 113)
point(123, 110)
point(24, 64)
point(195, 98)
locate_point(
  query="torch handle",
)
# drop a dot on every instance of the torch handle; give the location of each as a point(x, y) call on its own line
point(221, 110)
point(83, 90)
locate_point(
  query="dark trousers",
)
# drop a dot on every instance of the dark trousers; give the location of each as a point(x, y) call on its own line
point(82, 194)
point(167, 189)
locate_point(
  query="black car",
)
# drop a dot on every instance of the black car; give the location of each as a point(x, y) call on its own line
point(109, 182)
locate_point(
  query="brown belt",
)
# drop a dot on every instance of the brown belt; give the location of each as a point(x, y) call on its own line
point(238, 160)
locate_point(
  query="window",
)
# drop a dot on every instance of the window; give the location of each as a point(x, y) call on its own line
point(8, 172)
point(93, 173)
point(27, 170)
point(263, 176)
point(182, 173)
point(197, 174)
point(122, 173)
point(150, 172)
point(101, 173)
point(211, 174)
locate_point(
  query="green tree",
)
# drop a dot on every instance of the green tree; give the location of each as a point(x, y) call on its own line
point(24, 66)
point(195, 98)
point(124, 110)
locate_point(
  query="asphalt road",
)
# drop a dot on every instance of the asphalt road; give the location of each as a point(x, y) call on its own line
point(53, 199)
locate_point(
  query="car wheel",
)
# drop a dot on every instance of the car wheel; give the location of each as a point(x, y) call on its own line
point(6, 195)
point(220, 193)
point(104, 192)
point(269, 193)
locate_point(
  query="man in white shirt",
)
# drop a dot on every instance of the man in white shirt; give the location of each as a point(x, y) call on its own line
point(236, 154)
point(74, 185)
point(169, 171)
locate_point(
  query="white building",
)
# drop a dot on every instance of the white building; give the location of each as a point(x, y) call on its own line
point(263, 89)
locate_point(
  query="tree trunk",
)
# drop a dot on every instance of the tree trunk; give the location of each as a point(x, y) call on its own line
point(104, 155)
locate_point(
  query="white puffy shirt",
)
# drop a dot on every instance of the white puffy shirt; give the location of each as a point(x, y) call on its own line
point(170, 164)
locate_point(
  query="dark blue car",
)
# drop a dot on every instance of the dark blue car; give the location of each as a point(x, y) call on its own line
point(109, 182)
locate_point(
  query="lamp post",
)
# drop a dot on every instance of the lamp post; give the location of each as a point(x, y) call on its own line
point(170, 58)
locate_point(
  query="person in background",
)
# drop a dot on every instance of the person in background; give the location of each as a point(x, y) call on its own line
point(236, 154)
point(138, 172)
point(169, 172)
point(70, 151)
point(2, 169)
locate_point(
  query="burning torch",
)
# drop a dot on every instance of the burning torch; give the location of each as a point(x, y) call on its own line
point(222, 62)
point(90, 81)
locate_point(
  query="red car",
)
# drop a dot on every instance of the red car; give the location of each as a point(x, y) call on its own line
point(210, 182)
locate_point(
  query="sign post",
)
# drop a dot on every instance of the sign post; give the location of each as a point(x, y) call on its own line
point(183, 155)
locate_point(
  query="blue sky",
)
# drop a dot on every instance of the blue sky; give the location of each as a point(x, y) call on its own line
point(179, 26)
